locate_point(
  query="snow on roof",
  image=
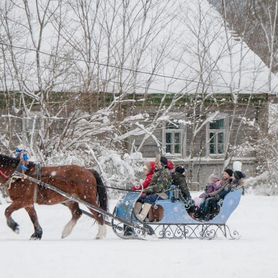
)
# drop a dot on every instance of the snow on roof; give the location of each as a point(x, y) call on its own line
point(182, 46)
point(206, 53)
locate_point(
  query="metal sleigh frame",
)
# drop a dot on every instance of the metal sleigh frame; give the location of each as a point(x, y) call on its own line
point(176, 222)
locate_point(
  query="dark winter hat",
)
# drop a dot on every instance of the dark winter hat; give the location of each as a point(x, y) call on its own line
point(164, 161)
point(229, 172)
point(180, 169)
point(239, 175)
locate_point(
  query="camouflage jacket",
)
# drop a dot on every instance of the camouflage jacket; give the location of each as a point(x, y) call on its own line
point(161, 182)
point(179, 180)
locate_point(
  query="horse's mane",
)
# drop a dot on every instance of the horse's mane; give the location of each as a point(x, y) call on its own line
point(8, 161)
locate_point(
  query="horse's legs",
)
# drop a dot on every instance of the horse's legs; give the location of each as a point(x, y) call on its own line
point(101, 231)
point(8, 212)
point(101, 226)
point(34, 218)
point(76, 214)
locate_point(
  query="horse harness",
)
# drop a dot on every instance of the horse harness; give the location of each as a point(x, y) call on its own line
point(37, 176)
point(17, 175)
point(38, 171)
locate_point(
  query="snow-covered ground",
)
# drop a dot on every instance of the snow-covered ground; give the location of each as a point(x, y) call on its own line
point(80, 255)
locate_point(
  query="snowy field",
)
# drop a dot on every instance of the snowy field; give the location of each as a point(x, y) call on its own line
point(80, 255)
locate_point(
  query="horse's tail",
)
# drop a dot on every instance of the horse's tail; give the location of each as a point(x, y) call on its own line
point(101, 190)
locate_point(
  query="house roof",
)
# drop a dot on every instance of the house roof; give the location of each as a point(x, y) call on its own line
point(207, 57)
point(186, 49)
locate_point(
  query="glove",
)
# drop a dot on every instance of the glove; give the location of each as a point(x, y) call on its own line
point(143, 195)
point(135, 188)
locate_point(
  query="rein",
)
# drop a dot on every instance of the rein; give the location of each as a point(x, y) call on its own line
point(62, 178)
point(39, 177)
point(116, 188)
point(3, 175)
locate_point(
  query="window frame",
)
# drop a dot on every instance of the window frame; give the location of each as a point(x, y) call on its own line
point(180, 130)
point(224, 130)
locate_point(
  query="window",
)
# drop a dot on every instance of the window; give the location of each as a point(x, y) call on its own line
point(173, 139)
point(216, 136)
point(31, 124)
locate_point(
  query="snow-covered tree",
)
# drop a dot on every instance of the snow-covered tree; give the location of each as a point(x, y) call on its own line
point(73, 74)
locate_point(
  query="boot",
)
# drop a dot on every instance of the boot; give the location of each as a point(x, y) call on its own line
point(137, 208)
point(144, 212)
point(128, 231)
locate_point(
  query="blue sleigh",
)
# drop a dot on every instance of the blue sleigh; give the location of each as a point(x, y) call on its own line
point(175, 222)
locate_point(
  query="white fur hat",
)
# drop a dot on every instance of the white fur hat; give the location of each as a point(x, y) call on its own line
point(213, 178)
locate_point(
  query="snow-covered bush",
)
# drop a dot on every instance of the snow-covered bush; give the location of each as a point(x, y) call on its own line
point(266, 147)
point(117, 169)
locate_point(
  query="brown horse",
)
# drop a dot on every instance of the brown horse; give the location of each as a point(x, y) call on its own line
point(75, 180)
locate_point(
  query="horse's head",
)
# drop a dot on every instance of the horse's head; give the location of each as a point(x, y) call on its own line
point(7, 166)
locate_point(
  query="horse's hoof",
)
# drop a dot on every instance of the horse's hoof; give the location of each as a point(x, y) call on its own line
point(15, 228)
point(35, 238)
point(37, 235)
point(13, 225)
point(63, 236)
